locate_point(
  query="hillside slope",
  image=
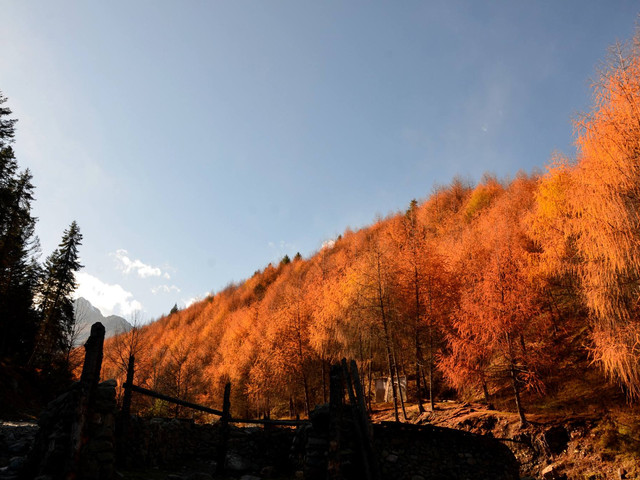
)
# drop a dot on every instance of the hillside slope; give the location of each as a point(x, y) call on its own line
point(505, 289)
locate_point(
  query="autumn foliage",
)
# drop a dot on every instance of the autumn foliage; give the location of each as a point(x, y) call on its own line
point(479, 288)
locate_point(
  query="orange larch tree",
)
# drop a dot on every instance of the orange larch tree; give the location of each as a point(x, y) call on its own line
point(605, 215)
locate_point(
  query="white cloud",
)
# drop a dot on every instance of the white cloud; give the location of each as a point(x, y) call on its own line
point(328, 244)
point(190, 301)
point(109, 299)
point(165, 289)
point(126, 265)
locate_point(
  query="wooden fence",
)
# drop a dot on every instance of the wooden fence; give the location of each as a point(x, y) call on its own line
point(344, 379)
point(225, 414)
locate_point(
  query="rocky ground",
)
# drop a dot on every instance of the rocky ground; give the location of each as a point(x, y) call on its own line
point(15, 440)
point(586, 446)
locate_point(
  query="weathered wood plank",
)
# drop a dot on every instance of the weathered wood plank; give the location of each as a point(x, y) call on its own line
point(290, 423)
point(177, 401)
point(88, 385)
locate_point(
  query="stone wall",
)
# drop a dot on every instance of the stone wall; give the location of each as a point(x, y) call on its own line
point(170, 443)
point(51, 455)
point(403, 452)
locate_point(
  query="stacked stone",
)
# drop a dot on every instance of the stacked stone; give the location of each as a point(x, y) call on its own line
point(314, 444)
point(311, 445)
point(167, 443)
point(171, 443)
point(15, 441)
point(50, 456)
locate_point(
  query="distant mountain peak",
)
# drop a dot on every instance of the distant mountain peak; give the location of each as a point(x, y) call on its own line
point(86, 315)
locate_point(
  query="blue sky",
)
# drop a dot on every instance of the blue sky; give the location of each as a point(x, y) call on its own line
point(196, 141)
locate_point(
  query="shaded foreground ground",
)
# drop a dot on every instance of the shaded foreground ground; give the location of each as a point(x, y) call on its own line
point(601, 443)
point(596, 444)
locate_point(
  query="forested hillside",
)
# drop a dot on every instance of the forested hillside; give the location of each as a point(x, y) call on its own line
point(479, 288)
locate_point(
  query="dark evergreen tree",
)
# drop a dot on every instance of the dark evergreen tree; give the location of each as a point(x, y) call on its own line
point(19, 270)
point(56, 304)
point(285, 260)
point(174, 309)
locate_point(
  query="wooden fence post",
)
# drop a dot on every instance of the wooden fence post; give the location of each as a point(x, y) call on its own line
point(224, 429)
point(122, 426)
point(360, 429)
point(367, 429)
point(88, 385)
point(336, 394)
point(126, 397)
point(360, 398)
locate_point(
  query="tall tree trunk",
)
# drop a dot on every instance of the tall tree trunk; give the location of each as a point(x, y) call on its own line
point(485, 391)
point(387, 341)
point(391, 376)
point(416, 284)
point(370, 374)
point(515, 381)
point(404, 411)
point(516, 391)
point(305, 386)
point(418, 384)
point(307, 401)
point(432, 404)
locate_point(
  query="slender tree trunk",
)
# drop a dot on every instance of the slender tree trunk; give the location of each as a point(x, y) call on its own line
point(516, 391)
point(305, 385)
point(324, 375)
point(307, 401)
point(404, 411)
point(418, 385)
point(424, 379)
point(515, 381)
point(431, 400)
point(485, 391)
point(370, 374)
point(391, 375)
point(387, 341)
point(416, 284)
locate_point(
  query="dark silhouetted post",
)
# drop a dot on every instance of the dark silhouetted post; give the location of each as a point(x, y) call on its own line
point(224, 428)
point(122, 427)
point(367, 429)
point(336, 394)
point(126, 398)
point(88, 385)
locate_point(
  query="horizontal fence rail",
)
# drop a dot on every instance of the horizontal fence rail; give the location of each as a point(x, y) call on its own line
point(268, 421)
point(177, 401)
point(224, 414)
point(202, 408)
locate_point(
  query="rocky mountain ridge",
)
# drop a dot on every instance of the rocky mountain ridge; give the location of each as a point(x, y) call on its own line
point(86, 315)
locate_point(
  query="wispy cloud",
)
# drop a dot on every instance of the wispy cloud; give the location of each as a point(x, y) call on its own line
point(165, 289)
point(190, 301)
point(109, 299)
point(282, 246)
point(141, 269)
